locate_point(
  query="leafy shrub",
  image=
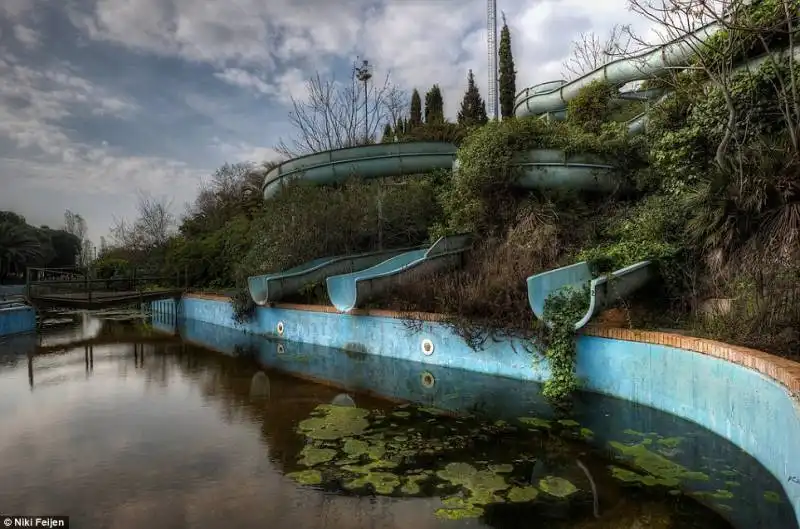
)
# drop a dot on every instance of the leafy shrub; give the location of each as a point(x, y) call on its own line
point(592, 106)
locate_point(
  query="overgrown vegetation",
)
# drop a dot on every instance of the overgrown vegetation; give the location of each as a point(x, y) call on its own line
point(710, 194)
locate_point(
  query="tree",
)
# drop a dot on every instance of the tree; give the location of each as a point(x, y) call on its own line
point(388, 134)
point(19, 246)
point(508, 76)
point(331, 116)
point(415, 119)
point(590, 52)
point(434, 106)
point(75, 224)
point(233, 189)
point(473, 108)
point(150, 231)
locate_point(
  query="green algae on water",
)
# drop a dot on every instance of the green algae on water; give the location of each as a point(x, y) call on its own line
point(656, 465)
point(772, 497)
point(629, 476)
point(459, 514)
point(670, 442)
point(381, 482)
point(535, 422)
point(557, 487)
point(522, 494)
point(306, 477)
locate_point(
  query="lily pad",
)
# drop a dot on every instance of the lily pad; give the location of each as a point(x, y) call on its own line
point(355, 447)
point(569, 423)
point(482, 485)
point(334, 422)
point(411, 483)
point(312, 456)
point(382, 482)
point(504, 468)
point(522, 494)
point(557, 487)
point(306, 477)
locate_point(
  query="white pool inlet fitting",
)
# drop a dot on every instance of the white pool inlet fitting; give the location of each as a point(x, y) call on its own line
point(427, 347)
point(280, 349)
point(279, 328)
point(427, 379)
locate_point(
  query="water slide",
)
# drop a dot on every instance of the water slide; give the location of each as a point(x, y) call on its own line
point(365, 161)
point(348, 291)
point(550, 100)
point(265, 289)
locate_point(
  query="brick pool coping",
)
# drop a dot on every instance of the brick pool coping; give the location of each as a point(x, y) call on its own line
point(782, 370)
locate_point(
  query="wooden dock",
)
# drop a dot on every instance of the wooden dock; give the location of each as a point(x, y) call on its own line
point(44, 289)
point(100, 299)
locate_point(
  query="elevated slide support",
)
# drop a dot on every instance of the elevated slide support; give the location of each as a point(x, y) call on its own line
point(270, 288)
point(348, 291)
point(603, 291)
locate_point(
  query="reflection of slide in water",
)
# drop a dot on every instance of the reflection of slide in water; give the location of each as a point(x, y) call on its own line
point(259, 386)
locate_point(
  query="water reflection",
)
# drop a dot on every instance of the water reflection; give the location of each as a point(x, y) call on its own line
point(163, 433)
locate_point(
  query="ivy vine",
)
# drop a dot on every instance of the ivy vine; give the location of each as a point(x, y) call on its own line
point(562, 309)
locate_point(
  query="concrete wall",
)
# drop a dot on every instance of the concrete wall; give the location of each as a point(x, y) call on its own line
point(753, 405)
point(17, 319)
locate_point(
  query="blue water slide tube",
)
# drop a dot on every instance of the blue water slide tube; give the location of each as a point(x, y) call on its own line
point(265, 289)
point(348, 291)
point(365, 161)
point(553, 96)
point(603, 291)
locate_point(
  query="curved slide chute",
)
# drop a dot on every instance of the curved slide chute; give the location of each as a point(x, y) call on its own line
point(366, 161)
point(603, 291)
point(265, 289)
point(553, 96)
point(348, 291)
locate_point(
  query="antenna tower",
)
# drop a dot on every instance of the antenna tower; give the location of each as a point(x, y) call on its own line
point(491, 26)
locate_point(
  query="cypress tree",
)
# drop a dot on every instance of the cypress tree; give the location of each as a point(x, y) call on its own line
point(388, 134)
point(473, 108)
point(434, 105)
point(416, 109)
point(508, 77)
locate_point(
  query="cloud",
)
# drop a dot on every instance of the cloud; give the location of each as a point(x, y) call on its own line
point(27, 36)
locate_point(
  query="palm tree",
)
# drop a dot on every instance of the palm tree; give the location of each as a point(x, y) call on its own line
point(19, 246)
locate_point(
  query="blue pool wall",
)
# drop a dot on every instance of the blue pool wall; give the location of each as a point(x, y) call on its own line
point(753, 411)
point(459, 390)
point(17, 319)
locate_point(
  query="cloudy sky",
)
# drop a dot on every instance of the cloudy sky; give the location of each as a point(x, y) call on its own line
point(101, 98)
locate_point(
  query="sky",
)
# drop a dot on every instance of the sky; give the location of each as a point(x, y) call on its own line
point(101, 99)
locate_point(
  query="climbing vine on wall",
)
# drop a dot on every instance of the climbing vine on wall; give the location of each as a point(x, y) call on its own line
point(562, 309)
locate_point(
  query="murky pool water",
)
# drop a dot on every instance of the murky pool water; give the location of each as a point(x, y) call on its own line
point(120, 426)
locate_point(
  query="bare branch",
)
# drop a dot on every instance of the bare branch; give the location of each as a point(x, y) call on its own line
point(332, 115)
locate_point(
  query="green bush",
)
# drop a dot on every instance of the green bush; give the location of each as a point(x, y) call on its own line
point(592, 106)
